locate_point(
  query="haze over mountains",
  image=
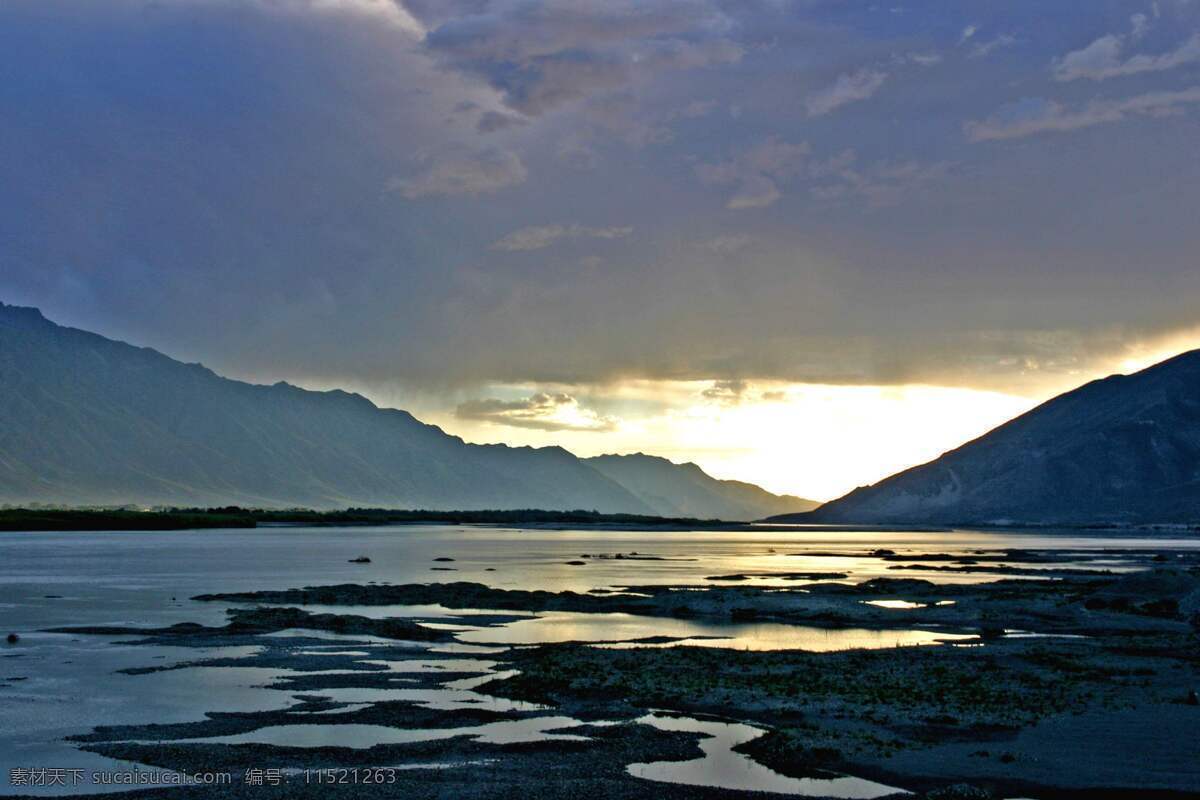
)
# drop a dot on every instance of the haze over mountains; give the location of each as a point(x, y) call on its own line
point(1125, 450)
point(688, 491)
point(89, 421)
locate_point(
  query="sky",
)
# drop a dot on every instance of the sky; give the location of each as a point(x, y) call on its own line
point(800, 243)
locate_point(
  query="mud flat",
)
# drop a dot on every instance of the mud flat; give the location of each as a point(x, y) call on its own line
point(1071, 686)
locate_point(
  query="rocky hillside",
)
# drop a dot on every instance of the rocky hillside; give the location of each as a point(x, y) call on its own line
point(87, 420)
point(1125, 450)
point(91, 421)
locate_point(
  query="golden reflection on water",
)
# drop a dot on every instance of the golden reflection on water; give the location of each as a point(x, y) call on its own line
point(620, 630)
point(894, 604)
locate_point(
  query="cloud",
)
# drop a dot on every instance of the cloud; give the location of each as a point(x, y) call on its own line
point(754, 191)
point(541, 55)
point(542, 411)
point(391, 13)
point(726, 244)
point(754, 171)
point(757, 173)
point(492, 121)
point(622, 116)
point(538, 237)
point(1093, 61)
point(921, 59)
point(576, 152)
point(984, 49)
point(848, 88)
point(463, 173)
point(968, 33)
point(1139, 25)
point(881, 184)
point(235, 150)
point(726, 392)
point(1102, 60)
point(694, 110)
point(1039, 115)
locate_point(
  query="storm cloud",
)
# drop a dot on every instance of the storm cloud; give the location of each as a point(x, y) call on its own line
point(417, 195)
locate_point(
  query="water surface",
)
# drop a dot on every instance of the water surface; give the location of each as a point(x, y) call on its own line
point(55, 685)
point(725, 769)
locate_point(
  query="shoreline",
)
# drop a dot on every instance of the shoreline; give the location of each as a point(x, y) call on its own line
point(37, 520)
point(1059, 687)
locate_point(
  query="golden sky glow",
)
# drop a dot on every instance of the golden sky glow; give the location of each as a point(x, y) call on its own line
point(813, 440)
point(1148, 353)
point(816, 441)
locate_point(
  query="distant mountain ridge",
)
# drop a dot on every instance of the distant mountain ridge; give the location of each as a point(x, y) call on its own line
point(1121, 450)
point(86, 420)
point(691, 492)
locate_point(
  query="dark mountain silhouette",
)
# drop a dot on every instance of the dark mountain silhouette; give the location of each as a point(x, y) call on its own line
point(1125, 450)
point(86, 420)
point(688, 491)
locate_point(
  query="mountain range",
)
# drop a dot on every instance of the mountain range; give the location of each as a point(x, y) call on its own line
point(85, 420)
point(1121, 450)
point(685, 490)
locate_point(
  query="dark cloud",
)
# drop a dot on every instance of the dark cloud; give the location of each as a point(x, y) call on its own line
point(540, 54)
point(492, 121)
point(543, 412)
point(727, 392)
point(301, 189)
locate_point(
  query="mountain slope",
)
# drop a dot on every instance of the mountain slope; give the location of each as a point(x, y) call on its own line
point(687, 491)
point(87, 420)
point(1125, 449)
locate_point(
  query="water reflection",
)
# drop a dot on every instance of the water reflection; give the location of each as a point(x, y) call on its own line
point(622, 630)
point(445, 699)
point(533, 729)
point(722, 768)
point(62, 685)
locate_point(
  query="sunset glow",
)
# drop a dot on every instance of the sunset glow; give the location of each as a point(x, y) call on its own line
point(815, 441)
